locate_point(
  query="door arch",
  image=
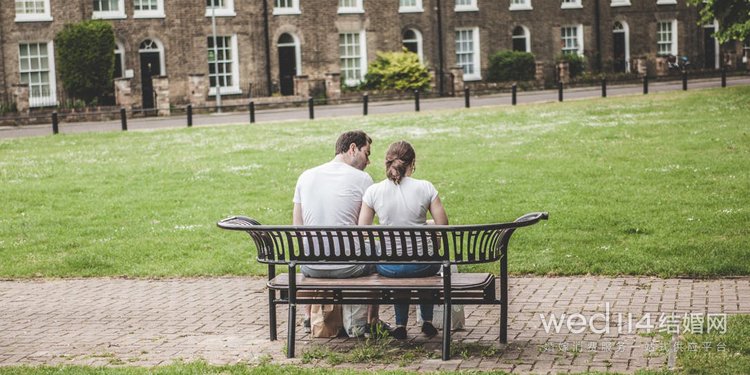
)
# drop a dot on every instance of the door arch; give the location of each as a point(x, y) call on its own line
point(151, 53)
point(289, 62)
point(621, 47)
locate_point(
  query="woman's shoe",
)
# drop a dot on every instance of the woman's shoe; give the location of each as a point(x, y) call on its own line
point(428, 329)
point(399, 333)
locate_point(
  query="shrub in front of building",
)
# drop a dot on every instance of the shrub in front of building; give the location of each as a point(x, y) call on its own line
point(400, 71)
point(511, 66)
point(576, 63)
point(86, 59)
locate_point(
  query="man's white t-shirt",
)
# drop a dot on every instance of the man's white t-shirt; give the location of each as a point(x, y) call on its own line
point(331, 194)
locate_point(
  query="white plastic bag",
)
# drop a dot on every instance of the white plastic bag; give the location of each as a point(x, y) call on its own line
point(355, 320)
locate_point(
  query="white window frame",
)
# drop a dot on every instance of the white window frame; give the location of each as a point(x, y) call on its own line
point(34, 17)
point(571, 4)
point(111, 14)
point(44, 101)
point(158, 13)
point(297, 51)
point(520, 5)
point(620, 3)
point(745, 51)
point(673, 46)
point(362, 57)
point(526, 35)
point(234, 88)
point(294, 9)
point(416, 8)
point(579, 38)
point(418, 40)
point(226, 11)
point(357, 8)
point(476, 58)
point(626, 31)
point(160, 49)
point(471, 7)
point(666, 2)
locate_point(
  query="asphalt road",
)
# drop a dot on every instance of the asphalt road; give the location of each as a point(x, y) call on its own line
point(353, 110)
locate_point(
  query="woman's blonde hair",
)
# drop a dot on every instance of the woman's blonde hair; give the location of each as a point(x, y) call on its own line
point(398, 158)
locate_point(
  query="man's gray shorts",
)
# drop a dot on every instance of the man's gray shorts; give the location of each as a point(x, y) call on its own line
point(337, 271)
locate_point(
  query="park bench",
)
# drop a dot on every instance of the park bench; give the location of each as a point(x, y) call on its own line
point(292, 246)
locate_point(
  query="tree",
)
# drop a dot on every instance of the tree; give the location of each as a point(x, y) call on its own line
point(86, 59)
point(733, 17)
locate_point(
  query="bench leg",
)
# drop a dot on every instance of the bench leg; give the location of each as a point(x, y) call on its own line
point(504, 321)
point(447, 309)
point(291, 322)
point(272, 314)
point(290, 331)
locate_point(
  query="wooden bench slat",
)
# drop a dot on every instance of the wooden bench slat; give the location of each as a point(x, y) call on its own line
point(459, 281)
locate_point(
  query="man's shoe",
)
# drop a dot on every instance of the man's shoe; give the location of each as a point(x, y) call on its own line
point(378, 329)
point(399, 333)
point(306, 325)
point(428, 329)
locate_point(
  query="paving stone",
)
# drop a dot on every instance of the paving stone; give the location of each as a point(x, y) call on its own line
point(224, 320)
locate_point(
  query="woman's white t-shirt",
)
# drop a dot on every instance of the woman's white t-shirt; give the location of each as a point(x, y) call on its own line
point(401, 205)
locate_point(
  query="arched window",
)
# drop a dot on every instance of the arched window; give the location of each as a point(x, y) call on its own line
point(412, 41)
point(153, 45)
point(521, 40)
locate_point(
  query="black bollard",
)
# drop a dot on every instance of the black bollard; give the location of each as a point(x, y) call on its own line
point(513, 91)
point(123, 119)
point(365, 103)
point(251, 109)
point(684, 81)
point(55, 128)
point(645, 85)
point(311, 107)
point(724, 76)
point(560, 91)
point(604, 87)
point(416, 100)
point(190, 115)
point(467, 102)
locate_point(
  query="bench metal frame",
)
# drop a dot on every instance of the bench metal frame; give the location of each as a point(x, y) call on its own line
point(292, 246)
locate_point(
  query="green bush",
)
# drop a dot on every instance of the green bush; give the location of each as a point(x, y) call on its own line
point(86, 59)
point(397, 71)
point(576, 63)
point(511, 66)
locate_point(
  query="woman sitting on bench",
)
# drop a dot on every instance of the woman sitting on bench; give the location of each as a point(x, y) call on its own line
point(401, 200)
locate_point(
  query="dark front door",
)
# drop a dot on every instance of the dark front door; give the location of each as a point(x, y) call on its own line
point(287, 69)
point(709, 53)
point(619, 62)
point(150, 66)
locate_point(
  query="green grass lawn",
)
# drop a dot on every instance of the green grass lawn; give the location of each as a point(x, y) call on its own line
point(646, 185)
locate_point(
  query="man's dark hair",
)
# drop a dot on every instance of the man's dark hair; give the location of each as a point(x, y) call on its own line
point(358, 137)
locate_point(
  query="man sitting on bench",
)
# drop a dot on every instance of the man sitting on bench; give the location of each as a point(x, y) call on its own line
point(331, 195)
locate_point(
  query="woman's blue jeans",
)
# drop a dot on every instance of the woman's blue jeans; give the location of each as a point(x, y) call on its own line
point(409, 270)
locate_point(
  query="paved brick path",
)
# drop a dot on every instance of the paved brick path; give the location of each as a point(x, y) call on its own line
point(223, 320)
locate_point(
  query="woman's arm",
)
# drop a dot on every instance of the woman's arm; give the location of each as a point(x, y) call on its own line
point(436, 210)
point(366, 214)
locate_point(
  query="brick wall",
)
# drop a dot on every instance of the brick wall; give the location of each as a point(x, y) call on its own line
point(184, 31)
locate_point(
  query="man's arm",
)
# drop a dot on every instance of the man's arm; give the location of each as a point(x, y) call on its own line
point(297, 215)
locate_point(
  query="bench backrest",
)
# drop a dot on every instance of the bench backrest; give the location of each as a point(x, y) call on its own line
point(458, 244)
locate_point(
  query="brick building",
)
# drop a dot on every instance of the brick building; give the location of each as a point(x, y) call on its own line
point(262, 45)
